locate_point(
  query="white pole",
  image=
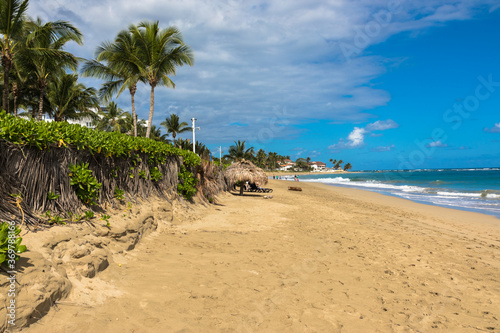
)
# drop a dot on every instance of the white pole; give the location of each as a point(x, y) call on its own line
point(220, 154)
point(194, 136)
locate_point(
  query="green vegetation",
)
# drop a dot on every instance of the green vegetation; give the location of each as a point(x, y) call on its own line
point(84, 183)
point(53, 196)
point(106, 218)
point(155, 174)
point(10, 243)
point(187, 183)
point(44, 135)
point(119, 194)
point(89, 215)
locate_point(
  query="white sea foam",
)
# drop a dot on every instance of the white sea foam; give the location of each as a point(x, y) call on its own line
point(370, 184)
point(395, 189)
point(469, 195)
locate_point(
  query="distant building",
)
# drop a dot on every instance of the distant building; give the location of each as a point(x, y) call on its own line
point(286, 165)
point(317, 166)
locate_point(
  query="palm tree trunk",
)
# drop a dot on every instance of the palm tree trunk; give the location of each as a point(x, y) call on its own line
point(6, 71)
point(151, 110)
point(15, 92)
point(132, 96)
point(15, 106)
point(40, 104)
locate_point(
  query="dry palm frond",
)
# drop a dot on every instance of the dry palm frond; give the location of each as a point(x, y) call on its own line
point(244, 171)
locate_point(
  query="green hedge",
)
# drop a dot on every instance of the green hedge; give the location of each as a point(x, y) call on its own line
point(45, 135)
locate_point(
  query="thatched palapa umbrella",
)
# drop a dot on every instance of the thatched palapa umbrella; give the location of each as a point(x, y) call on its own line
point(244, 171)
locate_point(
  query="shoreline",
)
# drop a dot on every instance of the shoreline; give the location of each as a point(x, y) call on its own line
point(395, 195)
point(431, 204)
point(325, 259)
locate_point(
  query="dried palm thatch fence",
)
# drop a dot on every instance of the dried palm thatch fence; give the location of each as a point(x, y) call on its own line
point(243, 171)
point(210, 181)
point(32, 173)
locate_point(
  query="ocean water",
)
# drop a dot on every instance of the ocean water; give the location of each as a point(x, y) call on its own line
point(467, 189)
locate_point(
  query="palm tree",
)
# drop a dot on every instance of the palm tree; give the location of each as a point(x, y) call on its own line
point(238, 151)
point(119, 69)
point(347, 166)
point(43, 54)
point(333, 161)
point(20, 85)
point(272, 158)
point(173, 126)
point(110, 118)
point(261, 158)
point(12, 19)
point(302, 164)
point(338, 165)
point(155, 134)
point(159, 52)
point(70, 99)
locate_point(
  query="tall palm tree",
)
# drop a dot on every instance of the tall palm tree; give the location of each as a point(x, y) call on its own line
point(70, 99)
point(44, 54)
point(173, 126)
point(238, 151)
point(348, 166)
point(20, 85)
point(12, 18)
point(159, 52)
point(119, 69)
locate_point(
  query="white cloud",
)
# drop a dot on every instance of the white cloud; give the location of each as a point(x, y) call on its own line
point(494, 129)
point(255, 56)
point(382, 125)
point(356, 138)
point(437, 144)
point(383, 148)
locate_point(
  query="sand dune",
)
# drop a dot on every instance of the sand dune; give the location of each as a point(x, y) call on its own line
point(322, 260)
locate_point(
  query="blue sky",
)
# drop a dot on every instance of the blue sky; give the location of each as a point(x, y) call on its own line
point(380, 84)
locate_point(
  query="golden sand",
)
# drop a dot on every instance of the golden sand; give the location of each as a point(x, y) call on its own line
point(322, 260)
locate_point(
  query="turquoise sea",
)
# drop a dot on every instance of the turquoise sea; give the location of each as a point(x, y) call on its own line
point(467, 189)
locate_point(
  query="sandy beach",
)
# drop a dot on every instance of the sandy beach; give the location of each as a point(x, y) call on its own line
point(326, 259)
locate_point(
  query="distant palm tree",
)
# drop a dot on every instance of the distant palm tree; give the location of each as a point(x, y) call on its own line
point(261, 158)
point(69, 99)
point(347, 166)
point(43, 54)
point(12, 19)
point(159, 52)
point(272, 158)
point(119, 69)
point(238, 151)
point(173, 126)
point(111, 118)
point(338, 165)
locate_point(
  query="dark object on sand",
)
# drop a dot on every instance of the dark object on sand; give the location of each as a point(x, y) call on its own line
point(293, 188)
point(255, 188)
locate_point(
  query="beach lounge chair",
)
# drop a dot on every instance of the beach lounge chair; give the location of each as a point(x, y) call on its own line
point(255, 188)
